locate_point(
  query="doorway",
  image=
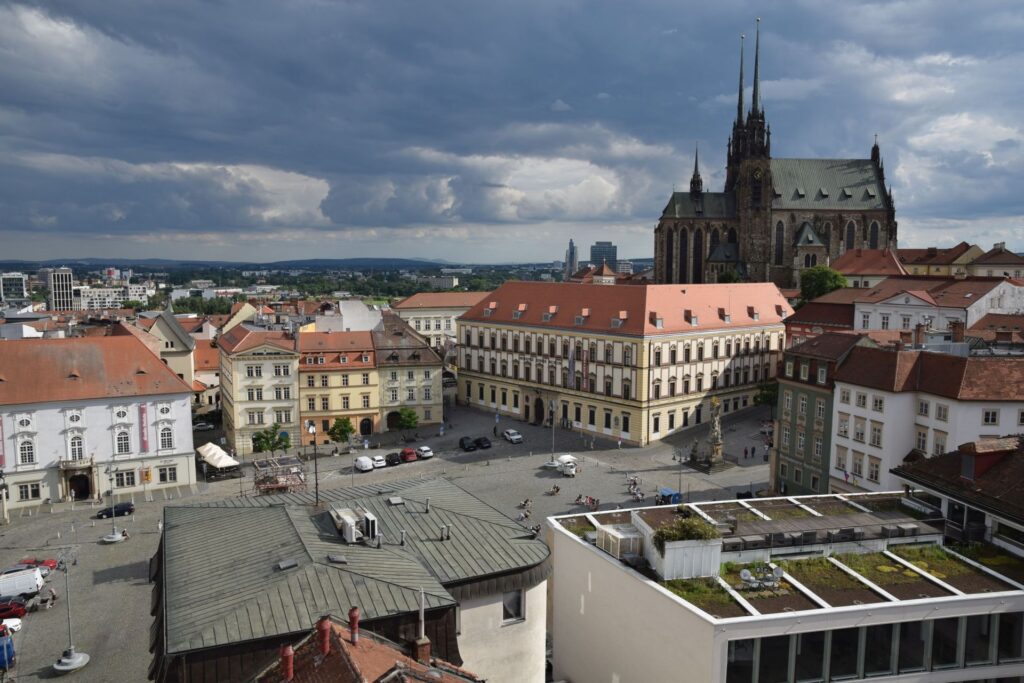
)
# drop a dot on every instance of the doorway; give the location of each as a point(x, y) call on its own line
point(392, 421)
point(538, 411)
point(365, 427)
point(79, 486)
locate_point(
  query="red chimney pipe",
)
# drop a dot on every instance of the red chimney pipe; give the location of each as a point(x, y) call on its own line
point(323, 635)
point(353, 624)
point(287, 663)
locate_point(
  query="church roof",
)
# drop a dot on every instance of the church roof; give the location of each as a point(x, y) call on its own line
point(725, 252)
point(710, 205)
point(807, 237)
point(814, 184)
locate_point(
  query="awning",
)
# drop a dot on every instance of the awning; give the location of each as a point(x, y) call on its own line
point(566, 458)
point(214, 455)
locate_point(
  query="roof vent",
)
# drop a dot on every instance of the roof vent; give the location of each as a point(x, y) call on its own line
point(334, 558)
point(623, 315)
point(396, 500)
point(492, 304)
point(870, 192)
point(823, 191)
point(73, 374)
point(800, 192)
point(287, 564)
point(521, 307)
point(846, 193)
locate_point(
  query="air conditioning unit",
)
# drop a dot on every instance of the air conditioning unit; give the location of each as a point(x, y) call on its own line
point(354, 525)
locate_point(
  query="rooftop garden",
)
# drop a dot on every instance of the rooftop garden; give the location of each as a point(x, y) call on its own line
point(708, 595)
point(782, 598)
point(1009, 565)
point(902, 582)
point(832, 508)
point(891, 504)
point(829, 582)
point(578, 525)
point(720, 511)
point(690, 528)
point(780, 509)
point(943, 566)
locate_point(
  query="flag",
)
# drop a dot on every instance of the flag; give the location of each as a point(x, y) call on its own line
point(572, 363)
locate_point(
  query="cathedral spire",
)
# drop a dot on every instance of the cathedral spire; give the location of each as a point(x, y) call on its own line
point(696, 183)
point(755, 104)
point(739, 103)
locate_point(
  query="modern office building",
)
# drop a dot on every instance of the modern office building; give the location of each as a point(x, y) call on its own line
point(572, 261)
point(780, 590)
point(61, 283)
point(13, 289)
point(629, 362)
point(604, 253)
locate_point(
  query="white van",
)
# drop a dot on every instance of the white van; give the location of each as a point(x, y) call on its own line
point(364, 464)
point(27, 582)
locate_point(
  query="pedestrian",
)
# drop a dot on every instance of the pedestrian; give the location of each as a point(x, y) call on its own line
point(744, 453)
point(495, 430)
point(620, 444)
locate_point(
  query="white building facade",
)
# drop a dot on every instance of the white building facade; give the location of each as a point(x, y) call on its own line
point(908, 309)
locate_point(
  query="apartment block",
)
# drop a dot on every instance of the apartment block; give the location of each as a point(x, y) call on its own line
point(338, 379)
point(410, 373)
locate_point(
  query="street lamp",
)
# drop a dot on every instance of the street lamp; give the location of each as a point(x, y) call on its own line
point(3, 498)
point(551, 412)
point(113, 536)
point(70, 659)
point(311, 428)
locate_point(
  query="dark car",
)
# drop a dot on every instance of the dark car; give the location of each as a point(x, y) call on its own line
point(393, 459)
point(409, 455)
point(483, 442)
point(119, 510)
point(12, 610)
point(466, 444)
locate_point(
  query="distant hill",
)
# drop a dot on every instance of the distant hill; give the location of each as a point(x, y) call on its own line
point(172, 264)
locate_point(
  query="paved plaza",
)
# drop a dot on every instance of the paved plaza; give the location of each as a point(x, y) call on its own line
point(110, 588)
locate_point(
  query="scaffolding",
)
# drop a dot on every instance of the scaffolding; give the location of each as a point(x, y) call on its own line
point(286, 474)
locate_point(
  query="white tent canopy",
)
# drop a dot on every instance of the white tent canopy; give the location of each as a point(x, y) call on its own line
point(563, 459)
point(215, 456)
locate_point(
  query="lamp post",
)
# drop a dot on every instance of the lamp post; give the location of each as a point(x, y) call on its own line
point(551, 411)
point(113, 536)
point(70, 659)
point(311, 428)
point(3, 498)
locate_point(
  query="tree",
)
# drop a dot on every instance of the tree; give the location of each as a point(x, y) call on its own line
point(728, 276)
point(407, 419)
point(341, 430)
point(819, 281)
point(767, 394)
point(271, 439)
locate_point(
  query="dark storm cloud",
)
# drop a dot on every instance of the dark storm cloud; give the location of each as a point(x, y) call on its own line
point(267, 124)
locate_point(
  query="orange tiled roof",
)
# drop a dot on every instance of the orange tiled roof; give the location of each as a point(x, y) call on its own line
point(1000, 256)
point(241, 338)
point(41, 370)
point(944, 291)
point(639, 308)
point(440, 300)
point(993, 323)
point(869, 262)
point(206, 357)
point(933, 256)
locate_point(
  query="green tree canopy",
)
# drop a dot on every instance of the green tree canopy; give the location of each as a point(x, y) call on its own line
point(819, 281)
point(407, 418)
point(728, 276)
point(341, 430)
point(271, 439)
point(767, 394)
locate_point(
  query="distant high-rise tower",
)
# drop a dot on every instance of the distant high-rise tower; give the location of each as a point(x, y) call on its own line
point(61, 282)
point(13, 288)
point(572, 260)
point(604, 252)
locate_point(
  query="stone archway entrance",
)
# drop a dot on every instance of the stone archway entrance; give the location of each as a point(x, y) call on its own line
point(79, 486)
point(365, 427)
point(392, 420)
point(539, 414)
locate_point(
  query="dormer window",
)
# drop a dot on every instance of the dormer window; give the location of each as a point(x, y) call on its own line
point(616, 322)
point(516, 315)
point(547, 317)
point(487, 313)
point(580, 320)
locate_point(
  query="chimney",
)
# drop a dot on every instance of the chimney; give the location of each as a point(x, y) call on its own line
point(933, 251)
point(1004, 336)
point(403, 537)
point(353, 624)
point(323, 635)
point(287, 663)
point(428, 504)
point(919, 334)
point(957, 328)
point(421, 646)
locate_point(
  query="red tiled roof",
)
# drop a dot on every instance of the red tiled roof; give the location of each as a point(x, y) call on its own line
point(190, 325)
point(992, 323)
point(869, 262)
point(944, 291)
point(999, 256)
point(967, 379)
point(816, 313)
point(933, 256)
point(241, 338)
point(333, 346)
point(42, 370)
point(828, 345)
point(206, 357)
point(677, 307)
point(440, 300)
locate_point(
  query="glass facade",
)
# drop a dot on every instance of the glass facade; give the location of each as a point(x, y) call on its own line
point(881, 650)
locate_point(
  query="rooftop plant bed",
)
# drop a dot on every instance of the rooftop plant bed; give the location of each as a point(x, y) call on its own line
point(578, 525)
point(781, 510)
point(720, 511)
point(832, 508)
point(785, 598)
point(691, 528)
point(891, 576)
point(708, 595)
point(995, 558)
point(891, 504)
point(940, 564)
point(830, 583)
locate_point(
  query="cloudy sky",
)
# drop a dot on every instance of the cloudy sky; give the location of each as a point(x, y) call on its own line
point(480, 131)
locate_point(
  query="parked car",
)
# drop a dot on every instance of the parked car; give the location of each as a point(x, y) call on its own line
point(202, 427)
point(22, 583)
point(364, 464)
point(12, 610)
point(12, 625)
point(483, 442)
point(379, 461)
point(512, 436)
point(119, 510)
point(39, 562)
point(466, 443)
point(43, 569)
point(424, 452)
point(409, 455)
point(393, 458)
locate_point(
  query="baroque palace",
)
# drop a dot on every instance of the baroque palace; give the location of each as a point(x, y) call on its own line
point(629, 362)
point(775, 216)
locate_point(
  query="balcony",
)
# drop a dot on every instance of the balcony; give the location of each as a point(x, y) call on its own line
point(74, 464)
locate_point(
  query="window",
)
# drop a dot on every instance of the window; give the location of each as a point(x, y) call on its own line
point(783, 470)
point(939, 443)
point(282, 371)
point(822, 373)
point(858, 429)
point(789, 368)
point(804, 369)
point(858, 464)
point(310, 381)
point(1020, 416)
point(124, 479)
point(393, 395)
point(990, 417)
point(802, 411)
point(921, 442)
point(311, 403)
point(787, 400)
point(284, 416)
point(922, 408)
point(120, 414)
point(819, 409)
point(512, 607)
point(876, 434)
point(166, 438)
point(253, 370)
point(815, 481)
point(798, 475)
point(905, 322)
point(865, 321)
point(26, 453)
point(885, 321)
point(77, 449)
point(844, 425)
point(366, 378)
point(283, 393)
point(942, 412)
point(410, 394)
point(325, 381)
point(799, 442)
point(344, 403)
point(862, 400)
point(344, 380)
point(410, 375)
point(167, 475)
point(844, 396)
point(325, 403)
point(122, 443)
point(366, 400)
point(656, 423)
point(785, 435)
point(393, 376)
point(28, 492)
point(426, 374)
point(841, 458)
point(817, 448)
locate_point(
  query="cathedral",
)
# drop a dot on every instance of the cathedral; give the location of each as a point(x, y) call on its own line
point(776, 216)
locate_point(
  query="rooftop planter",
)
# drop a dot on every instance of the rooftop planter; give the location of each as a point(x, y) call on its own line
point(691, 528)
point(720, 511)
point(943, 566)
point(579, 526)
point(781, 510)
point(830, 583)
point(995, 558)
point(785, 598)
point(891, 576)
point(832, 508)
point(708, 595)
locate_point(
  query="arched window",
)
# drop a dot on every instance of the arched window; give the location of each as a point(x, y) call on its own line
point(77, 448)
point(873, 238)
point(684, 257)
point(669, 260)
point(814, 260)
point(826, 230)
point(780, 236)
point(166, 438)
point(123, 444)
point(851, 235)
point(698, 257)
point(807, 260)
point(26, 453)
point(713, 240)
point(732, 235)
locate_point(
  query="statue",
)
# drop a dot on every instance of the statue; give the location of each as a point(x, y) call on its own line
point(715, 437)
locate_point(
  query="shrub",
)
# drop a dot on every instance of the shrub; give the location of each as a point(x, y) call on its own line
point(689, 529)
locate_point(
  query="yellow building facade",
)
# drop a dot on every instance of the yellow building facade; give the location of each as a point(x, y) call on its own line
point(338, 379)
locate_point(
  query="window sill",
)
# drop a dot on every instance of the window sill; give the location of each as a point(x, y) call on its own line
point(513, 622)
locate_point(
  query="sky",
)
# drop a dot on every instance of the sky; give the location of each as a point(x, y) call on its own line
point(257, 130)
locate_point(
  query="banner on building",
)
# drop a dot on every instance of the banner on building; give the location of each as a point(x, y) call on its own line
point(143, 429)
point(3, 462)
point(586, 369)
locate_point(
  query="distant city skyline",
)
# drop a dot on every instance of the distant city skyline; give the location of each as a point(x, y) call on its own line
point(180, 130)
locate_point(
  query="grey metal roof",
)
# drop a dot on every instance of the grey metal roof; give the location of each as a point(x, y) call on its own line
point(725, 252)
point(183, 338)
point(713, 205)
point(839, 184)
point(222, 584)
point(807, 237)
